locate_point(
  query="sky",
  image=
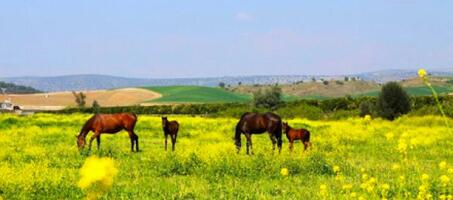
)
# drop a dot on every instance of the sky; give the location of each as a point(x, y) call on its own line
point(201, 38)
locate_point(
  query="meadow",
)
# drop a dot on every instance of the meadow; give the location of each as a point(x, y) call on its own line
point(354, 158)
point(196, 94)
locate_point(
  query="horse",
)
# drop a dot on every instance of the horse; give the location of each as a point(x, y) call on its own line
point(256, 123)
point(170, 128)
point(111, 124)
point(296, 134)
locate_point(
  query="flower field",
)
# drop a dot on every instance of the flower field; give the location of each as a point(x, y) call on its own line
point(356, 158)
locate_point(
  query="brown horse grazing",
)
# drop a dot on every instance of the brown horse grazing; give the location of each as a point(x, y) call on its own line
point(255, 123)
point(108, 123)
point(170, 128)
point(296, 134)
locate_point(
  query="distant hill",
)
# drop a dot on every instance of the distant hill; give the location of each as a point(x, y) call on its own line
point(11, 88)
point(96, 82)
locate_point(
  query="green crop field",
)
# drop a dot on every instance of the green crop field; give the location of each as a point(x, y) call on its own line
point(416, 91)
point(350, 159)
point(196, 94)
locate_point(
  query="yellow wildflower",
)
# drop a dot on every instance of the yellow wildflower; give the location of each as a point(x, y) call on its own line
point(97, 170)
point(396, 167)
point(444, 180)
point(422, 73)
point(442, 165)
point(425, 177)
point(336, 169)
point(347, 187)
point(284, 172)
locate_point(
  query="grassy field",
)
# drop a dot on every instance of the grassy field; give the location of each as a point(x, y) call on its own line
point(350, 159)
point(196, 94)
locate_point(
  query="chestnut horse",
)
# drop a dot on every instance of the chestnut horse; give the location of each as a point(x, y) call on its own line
point(170, 128)
point(296, 134)
point(255, 123)
point(111, 124)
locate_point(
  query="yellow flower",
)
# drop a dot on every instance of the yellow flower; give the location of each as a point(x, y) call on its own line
point(450, 170)
point(323, 187)
point(364, 176)
point(442, 165)
point(425, 177)
point(347, 187)
point(367, 118)
point(97, 170)
point(284, 172)
point(422, 73)
point(444, 180)
point(396, 167)
point(353, 195)
point(336, 169)
point(385, 186)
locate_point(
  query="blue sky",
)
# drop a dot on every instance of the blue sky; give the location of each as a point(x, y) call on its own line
point(164, 39)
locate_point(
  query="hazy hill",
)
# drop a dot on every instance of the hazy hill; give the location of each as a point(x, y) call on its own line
point(11, 88)
point(92, 82)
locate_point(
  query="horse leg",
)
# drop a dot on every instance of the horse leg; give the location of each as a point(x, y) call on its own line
point(274, 141)
point(306, 145)
point(95, 135)
point(291, 145)
point(279, 143)
point(173, 142)
point(98, 140)
point(166, 137)
point(131, 136)
point(249, 143)
point(136, 142)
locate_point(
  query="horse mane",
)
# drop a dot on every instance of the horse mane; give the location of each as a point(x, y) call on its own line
point(87, 126)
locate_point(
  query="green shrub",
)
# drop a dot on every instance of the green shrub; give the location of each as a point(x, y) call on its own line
point(393, 101)
point(269, 99)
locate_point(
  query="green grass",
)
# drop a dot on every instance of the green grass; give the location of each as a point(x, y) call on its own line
point(39, 159)
point(196, 94)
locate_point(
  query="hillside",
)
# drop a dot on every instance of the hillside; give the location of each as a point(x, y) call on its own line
point(195, 94)
point(58, 100)
point(11, 88)
point(335, 88)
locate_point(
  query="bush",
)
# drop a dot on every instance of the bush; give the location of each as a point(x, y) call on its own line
point(366, 108)
point(393, 101)
point(269, 99)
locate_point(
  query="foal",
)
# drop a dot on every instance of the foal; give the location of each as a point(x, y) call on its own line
point(296, 134)
point(170, 128)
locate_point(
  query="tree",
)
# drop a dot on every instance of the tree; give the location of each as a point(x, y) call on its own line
point(366, 108)
point(222, 85)
point(95, 106)
point(79, 98)
point(239, 83)
point(325, 82)
point(269, 99)
point(393, 101)
point(346, 79)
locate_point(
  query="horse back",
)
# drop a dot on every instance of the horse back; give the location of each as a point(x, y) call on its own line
point(112, 123)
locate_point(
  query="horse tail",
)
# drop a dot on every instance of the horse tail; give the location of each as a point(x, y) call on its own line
point(308, 136)
point(237, 136)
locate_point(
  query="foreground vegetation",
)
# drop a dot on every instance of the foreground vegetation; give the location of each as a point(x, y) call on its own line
point(354, 158)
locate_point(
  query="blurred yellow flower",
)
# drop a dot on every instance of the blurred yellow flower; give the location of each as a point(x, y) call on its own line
point(353, 195)
point(450, 170)
point(444, 180)
point(442, 165)
point(336, 169)
point(385, 186)
point(396, 167)
point(425, 177)
point(367, 118)
point(97, 170)
point(422, 73)
point(284, 172)
point(347, 187)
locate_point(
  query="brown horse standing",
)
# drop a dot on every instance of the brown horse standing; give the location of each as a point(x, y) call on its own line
point(255, 123)
point(170, 128)
point(111, 124)
point(296, 134)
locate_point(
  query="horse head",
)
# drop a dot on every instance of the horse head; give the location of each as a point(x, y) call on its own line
point(80, 141)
